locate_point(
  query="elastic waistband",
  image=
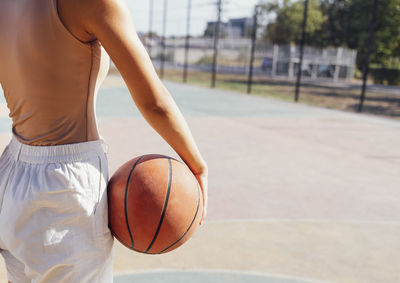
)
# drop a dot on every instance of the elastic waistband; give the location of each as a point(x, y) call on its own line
point(55, 153)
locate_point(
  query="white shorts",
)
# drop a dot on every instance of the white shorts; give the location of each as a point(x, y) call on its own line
point(53, 213)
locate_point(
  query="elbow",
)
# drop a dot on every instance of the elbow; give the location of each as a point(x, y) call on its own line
point(159, 106)
point(158, 102)
point(158, 109)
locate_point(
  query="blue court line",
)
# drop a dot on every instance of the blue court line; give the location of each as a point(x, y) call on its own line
point(202, 277)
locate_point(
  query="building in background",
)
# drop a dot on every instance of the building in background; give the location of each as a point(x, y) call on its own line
point(333, 64)
point(241, 27)
point(234, 28)
point(210, 29)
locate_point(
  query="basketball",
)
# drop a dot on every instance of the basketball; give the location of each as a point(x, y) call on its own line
point(154, 204)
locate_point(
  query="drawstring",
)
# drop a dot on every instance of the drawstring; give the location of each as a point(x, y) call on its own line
point(19, 151)
point(104, 145)
point(98, 193)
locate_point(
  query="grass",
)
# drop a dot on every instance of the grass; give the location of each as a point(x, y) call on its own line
point(334, 97)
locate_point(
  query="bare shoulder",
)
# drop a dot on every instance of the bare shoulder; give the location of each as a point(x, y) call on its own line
point(84, 17)
point(95, 14)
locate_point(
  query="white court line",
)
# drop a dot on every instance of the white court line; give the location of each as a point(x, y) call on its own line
point(223, 271)
point(303, 220)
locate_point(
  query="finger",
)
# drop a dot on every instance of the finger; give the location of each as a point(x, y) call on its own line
point(202, 220)
point(203, 217)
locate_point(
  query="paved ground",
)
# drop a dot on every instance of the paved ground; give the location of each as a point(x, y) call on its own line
point(297, 194)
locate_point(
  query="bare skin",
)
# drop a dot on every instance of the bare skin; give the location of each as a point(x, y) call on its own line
point(110, 22)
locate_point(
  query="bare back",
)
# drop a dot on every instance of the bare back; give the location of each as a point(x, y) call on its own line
point(50, 77)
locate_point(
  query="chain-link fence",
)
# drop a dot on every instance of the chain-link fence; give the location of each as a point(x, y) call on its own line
point(248, 54)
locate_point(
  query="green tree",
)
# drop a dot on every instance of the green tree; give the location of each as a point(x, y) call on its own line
point(333, 30)
point(339, 23)
point(289, 17)
point(387, 30)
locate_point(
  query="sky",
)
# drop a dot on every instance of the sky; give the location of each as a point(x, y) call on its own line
point(202, 12)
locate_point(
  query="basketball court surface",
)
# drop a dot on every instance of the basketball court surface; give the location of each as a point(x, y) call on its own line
point(296, 193)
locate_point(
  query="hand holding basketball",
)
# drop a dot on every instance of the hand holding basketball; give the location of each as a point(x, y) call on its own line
point(202, 178)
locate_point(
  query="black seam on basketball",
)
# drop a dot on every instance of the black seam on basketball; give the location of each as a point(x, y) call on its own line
point(127, 245)
point(118, 238)
point(190, 226)
point(126, 201)
point(164, 208)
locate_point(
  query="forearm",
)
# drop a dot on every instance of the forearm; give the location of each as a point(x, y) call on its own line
point(168, 121)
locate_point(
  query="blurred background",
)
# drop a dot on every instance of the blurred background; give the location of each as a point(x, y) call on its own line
point(342, 54)
point(295, 106)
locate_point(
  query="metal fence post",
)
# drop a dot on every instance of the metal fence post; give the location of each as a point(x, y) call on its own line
point(163, 44)
point(185, 67)
point(303, 35)
point(216, 37)
point(150, 35)
point(366, 60)
point(253, 48)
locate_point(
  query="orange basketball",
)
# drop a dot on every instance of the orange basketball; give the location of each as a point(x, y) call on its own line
point(154, 204)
